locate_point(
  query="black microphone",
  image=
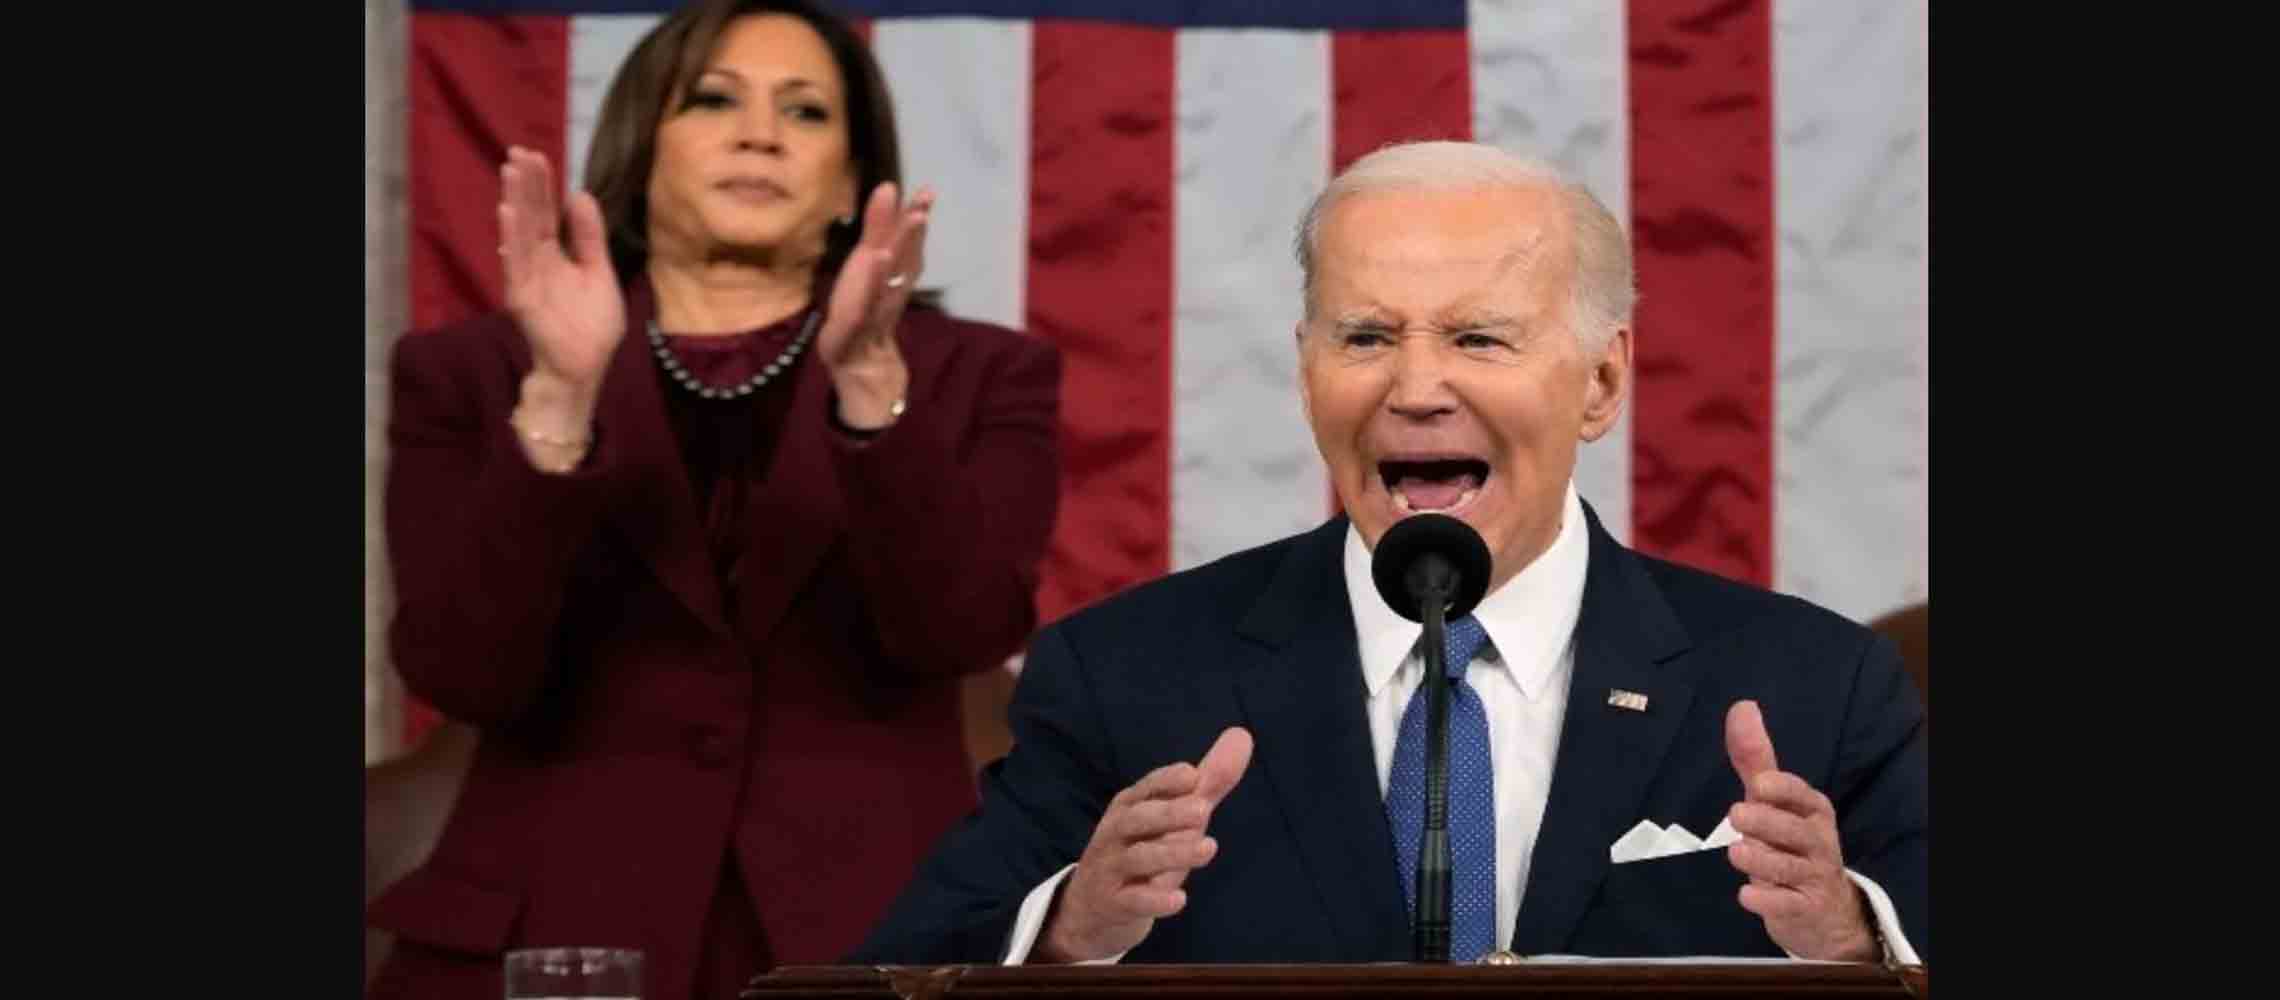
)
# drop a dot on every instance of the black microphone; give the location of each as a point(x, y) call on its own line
point(1430, 567)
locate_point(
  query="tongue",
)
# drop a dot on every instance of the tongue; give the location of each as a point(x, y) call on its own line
point(1433, 494)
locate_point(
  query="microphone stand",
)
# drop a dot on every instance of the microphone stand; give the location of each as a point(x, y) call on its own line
point(1428, 567)
point(1432, 929)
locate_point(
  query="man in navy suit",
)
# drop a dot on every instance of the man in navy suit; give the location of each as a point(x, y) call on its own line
point(1646, 759)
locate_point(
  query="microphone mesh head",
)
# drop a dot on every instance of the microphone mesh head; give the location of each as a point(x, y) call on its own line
point(1417, 536)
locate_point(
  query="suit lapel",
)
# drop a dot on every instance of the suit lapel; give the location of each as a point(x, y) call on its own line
point(796, 512)
point(1626, 638)
point(659, 517)
point(1302, 696)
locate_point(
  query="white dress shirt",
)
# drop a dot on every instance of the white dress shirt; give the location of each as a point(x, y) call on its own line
point(1521, 675)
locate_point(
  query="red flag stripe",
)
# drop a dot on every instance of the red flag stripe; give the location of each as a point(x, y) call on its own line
point(1100, 286)
point(1397, 86)
point(477, 85)
point(1701, 110)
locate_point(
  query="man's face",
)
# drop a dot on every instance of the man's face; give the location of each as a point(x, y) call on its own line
point(1440, 367)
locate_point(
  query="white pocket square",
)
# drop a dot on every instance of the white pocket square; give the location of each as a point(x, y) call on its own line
point(1646, 841)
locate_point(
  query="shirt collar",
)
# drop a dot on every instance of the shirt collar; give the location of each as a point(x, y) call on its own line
point(1529, 619)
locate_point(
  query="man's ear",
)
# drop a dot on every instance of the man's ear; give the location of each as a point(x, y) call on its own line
point(1609, 386)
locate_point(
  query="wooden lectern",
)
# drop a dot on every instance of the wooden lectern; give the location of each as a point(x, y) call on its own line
point(1598, 978)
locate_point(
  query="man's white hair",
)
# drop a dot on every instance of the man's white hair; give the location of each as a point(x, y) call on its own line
point(1605, 290)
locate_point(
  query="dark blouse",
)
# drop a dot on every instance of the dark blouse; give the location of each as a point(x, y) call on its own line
point(726, 444)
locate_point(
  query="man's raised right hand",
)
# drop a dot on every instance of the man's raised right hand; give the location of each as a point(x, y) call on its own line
point(1141, 851)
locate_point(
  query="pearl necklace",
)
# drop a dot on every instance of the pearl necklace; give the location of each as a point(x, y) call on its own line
point(783, 361)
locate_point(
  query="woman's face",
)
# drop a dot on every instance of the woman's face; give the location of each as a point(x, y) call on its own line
point(755, 155)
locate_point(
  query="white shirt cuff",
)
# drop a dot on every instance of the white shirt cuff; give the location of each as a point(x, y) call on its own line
point(1897, 950)
point(1030, 920)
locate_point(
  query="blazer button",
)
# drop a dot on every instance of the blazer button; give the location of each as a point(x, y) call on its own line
point(708, 747)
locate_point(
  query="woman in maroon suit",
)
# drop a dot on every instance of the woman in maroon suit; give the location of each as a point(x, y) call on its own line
point(704, 530)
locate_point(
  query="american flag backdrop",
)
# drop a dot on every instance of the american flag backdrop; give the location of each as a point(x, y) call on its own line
point(1122, 177)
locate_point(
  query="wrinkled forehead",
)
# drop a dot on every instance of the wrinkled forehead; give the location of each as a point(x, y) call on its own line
point(1517, 238)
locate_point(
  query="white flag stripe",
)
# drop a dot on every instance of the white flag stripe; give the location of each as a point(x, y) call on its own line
point(1549, 79)
point(599, 44)
point(1253, 145)
point(1851, 448)
point(961, 92)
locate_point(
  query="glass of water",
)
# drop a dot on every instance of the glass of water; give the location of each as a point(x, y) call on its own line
point(574, 974)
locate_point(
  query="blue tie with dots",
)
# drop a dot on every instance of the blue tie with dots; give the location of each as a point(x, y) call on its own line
point(1472, 801)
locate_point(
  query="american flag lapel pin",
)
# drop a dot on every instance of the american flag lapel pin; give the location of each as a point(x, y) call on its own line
point(1632, 700)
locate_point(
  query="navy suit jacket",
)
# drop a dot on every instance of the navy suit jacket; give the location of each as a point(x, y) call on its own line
point(1306, 871)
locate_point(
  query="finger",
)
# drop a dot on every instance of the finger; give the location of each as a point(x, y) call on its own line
point(1149, 858)
point(526, 215)
point(1224, 765)
point(879, 222)
point(511, 236)
point(1169, 781)
point(534, 196)
point(908, 258)
point(1173, 878)
point(514, 248)
point(1768, 864)
point(1143, 861)
point(1157, 817)
point(1141, 899)
point(1781, 828)
point(1789, 793)
point(1773, 902)
point(913, 215)
point(854, 292)
point(586, 232)
point(860, 280)
point(542, 189)
point(1747, 745)
point(510, 180)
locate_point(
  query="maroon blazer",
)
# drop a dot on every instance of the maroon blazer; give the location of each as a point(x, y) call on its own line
point(631, 738)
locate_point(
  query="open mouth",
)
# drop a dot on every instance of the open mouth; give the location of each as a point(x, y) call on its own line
point(1441, 485)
